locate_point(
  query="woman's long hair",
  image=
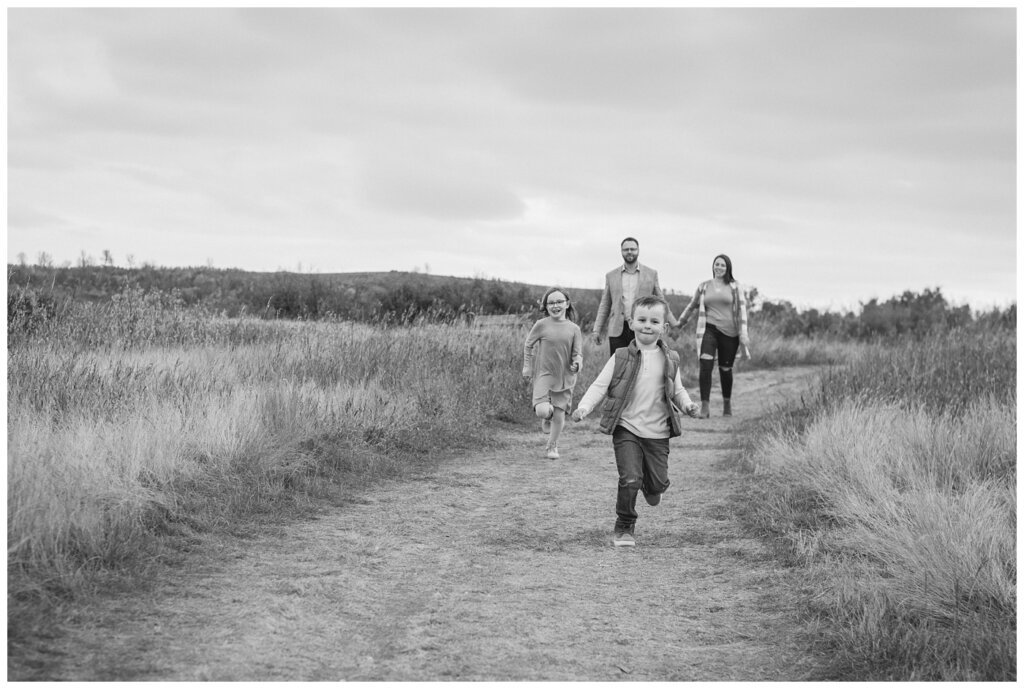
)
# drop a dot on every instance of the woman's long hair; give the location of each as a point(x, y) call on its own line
point(729, 279)
point(570, 310)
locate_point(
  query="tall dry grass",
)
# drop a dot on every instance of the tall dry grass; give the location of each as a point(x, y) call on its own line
point(894, 483)
point(768, 349)
point(123, 436)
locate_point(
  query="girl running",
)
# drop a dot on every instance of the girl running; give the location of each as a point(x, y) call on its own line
point(552, 356)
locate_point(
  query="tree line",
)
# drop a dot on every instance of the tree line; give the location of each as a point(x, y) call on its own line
point(40, 291)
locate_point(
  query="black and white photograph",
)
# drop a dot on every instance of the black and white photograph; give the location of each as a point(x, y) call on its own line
point(511, 343)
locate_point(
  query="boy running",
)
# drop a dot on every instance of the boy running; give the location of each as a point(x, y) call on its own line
point(642, 383)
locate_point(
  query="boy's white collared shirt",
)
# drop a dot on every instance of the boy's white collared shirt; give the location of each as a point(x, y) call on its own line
point(645, 414)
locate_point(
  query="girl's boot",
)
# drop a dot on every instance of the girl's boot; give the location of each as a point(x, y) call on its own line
point(705, 409)
point(726, 407)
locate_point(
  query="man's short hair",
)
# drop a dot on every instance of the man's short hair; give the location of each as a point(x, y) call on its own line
point(629, 239)
point(649, 300)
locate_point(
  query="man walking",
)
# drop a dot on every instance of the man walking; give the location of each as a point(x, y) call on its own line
point(622, 286)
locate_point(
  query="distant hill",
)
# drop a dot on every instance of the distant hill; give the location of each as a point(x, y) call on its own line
point(284, 294)
point(402, 296)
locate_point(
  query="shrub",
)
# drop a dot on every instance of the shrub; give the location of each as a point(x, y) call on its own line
point(28, 310)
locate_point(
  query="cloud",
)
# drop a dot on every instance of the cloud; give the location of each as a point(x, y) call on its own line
point(803, 142)
point(436, 188)
point(35, 218)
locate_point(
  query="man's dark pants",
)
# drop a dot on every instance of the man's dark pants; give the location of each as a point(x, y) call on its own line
point(622, 340)
point(643, 466)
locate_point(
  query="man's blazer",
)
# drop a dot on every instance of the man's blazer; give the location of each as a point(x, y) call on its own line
point(610, 312)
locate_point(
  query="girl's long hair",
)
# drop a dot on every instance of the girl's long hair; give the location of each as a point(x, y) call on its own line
point(728, 268)
point(570, 310)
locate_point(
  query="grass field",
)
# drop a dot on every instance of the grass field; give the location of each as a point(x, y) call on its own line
point(894, 487)
point(135, 425)
point(140, 416)
point(179, 423)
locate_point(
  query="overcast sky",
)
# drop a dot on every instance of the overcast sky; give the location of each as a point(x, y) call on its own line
point(835, 154)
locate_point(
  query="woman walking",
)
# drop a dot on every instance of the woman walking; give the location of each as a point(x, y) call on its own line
point(721, 330)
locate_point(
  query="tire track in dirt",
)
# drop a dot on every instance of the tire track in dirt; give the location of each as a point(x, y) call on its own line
point(498, 566)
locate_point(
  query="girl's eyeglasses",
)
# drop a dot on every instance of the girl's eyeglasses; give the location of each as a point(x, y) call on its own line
point(557, 302)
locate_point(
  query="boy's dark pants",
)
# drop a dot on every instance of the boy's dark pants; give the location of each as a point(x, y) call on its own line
point(643, 465)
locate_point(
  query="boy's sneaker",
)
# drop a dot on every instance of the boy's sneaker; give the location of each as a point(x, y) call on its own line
point(652, 499)
point(552, 453)
point(624, 539)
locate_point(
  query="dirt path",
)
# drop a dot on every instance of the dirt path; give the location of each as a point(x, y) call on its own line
point(497, 567)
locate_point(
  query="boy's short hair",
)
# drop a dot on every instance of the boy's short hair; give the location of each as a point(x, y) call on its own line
point(649, 300)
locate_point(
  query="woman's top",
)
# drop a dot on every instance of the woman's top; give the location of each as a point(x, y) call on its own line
point(737, 307)
point(718, 307)
point(551, 348)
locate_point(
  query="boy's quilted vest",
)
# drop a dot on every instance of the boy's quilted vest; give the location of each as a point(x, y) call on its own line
point(627, 364)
